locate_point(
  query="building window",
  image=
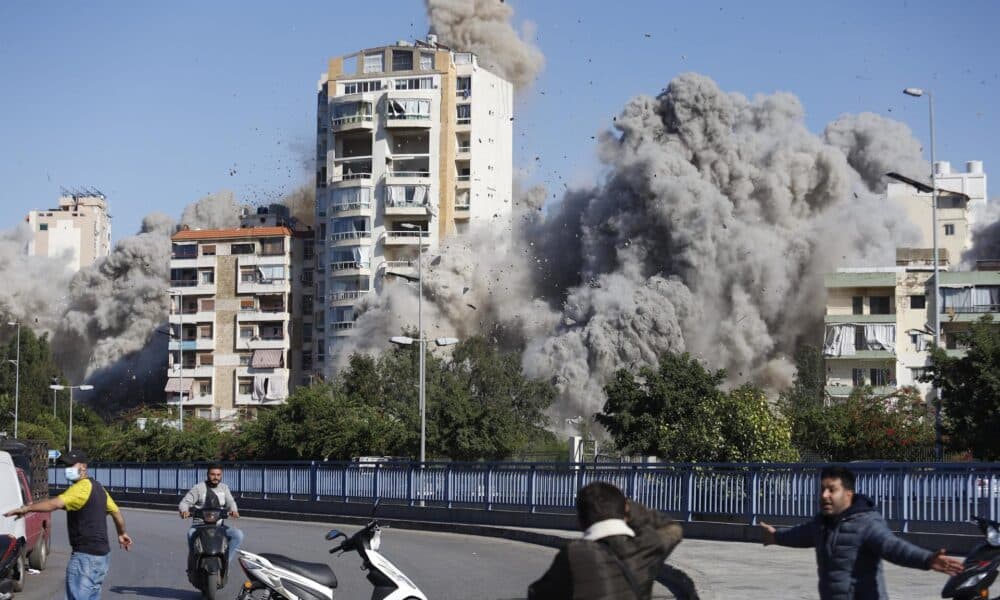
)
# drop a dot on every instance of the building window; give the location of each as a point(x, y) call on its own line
point(208, 250)
point(184, 251)
point(246, 332)
point(43, 227)
point(879, 305)
point(205, 332)
point(880, 377)
point(360, 87)
point(245, 387)
point(245, 359)
point(919, 301)
point(206, 304)
point(309, 249)
point(426, 61)
point(857, 305)
point(415, 83)
point(307, 304)
point(463, 87)
point(204, 413)
point(859, 338)
point(402, 60)
point(373, 62)
point(243, 248)
point(206, 359)
point(464, 114)
point(858, 377)
point(919, 372)
point(207, 277)
point(206, 388)
point(949, 229)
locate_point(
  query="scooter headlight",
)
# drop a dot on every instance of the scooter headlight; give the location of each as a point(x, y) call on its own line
point(992, 536)
point(971, 581)
point(376, 540)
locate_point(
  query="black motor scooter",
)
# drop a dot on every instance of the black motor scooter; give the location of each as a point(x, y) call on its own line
point(11, 549)
point(980, 566)
point(207, 567)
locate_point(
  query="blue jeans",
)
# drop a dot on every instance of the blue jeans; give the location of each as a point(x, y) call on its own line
point(84, 575)
point(233, 536)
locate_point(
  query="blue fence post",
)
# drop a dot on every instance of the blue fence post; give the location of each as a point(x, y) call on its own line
point(288, 479)
point(343, 480)
point(313, 481)
point(448, 486)
point(409, 484)
point(531, 490)
point(177, 478)
point(263, 481)
point(904, 500)
point(687, 501)
point(753, 492)
point(633, 474)
point(375, 489)
point(487, 487)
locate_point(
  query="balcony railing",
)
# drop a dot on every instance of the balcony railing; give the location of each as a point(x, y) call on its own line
point(464, 178)
point(348, 295)
point(407, 234)
point(465, 121)
point(409, 174)
point(346, 206)
point(183, 282)
point(350, 177)
point(974, 309)
point(348, 265)
point(342, 325)
point(399, 264)
point(347, 120)
point(350, 235)
point(466, 148)
point(462, 206)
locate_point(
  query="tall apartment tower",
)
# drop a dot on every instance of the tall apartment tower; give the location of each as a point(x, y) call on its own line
point(79, 230)
point(961, 197)
point(414, 143)
point(236, 320)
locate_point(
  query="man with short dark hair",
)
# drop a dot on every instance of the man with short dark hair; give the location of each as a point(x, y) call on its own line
point(623, 547)
point(196, 497)
point(851, 538)
point(87, 506)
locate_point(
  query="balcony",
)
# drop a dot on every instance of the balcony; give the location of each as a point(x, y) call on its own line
point(192, 316)
point(348, 298)
point(463, 211)
point(463, 182)
point(843, 391)
point(351, 171)
point(350, 268)
point(258, 313)
point(463, 151)
point(835, 319)
point(350, 209)
point(407, 200)
point(407, 113)
point(263, 343)
point(350, 238)
point(264, 286)
point(198, 399)
point(353, 122)
point(865, 355)
point(191, 287)
point(341, 328)
point(406, 238)
point(191, 372)
point(192, 344)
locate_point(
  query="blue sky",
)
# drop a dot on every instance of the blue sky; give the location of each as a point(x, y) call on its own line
point(158, 104)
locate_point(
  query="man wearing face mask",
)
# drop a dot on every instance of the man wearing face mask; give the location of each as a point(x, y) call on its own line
point(851, 538)
point(87, 505)
point(195, 498)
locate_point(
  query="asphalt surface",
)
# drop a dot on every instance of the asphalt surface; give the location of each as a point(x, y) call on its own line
point(444, 565)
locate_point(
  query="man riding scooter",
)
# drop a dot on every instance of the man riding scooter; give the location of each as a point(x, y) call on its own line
point(196, 497)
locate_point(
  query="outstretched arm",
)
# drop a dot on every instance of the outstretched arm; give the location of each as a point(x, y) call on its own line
point(800, 536)
point(49, 505)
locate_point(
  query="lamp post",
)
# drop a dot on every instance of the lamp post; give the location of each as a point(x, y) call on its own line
point(917, 93)
point(84, 388)
point(17, 377)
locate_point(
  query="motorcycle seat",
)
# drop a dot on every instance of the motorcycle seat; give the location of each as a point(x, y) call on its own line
point(318, 572)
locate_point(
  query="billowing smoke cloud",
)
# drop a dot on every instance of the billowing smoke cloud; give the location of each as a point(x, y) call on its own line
point(483, 27)
point(985, 235)
point(710, 234)
point(34, 289)
point(875, 146)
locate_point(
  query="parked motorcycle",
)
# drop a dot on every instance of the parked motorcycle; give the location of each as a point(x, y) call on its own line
point(980, 566)
point(276, 577)
point(207, 567)
point(11, 565)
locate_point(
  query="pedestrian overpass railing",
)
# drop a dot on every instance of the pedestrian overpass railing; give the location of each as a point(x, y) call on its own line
point(746, 492)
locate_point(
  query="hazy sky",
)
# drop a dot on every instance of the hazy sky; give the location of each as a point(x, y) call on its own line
point(157, 104)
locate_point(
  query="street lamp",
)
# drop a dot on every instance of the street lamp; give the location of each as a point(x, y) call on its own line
point(71, 388)
point(402, 340)
point(917, 93)
point(17, 376)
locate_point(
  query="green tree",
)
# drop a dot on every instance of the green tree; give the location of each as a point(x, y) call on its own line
point(970, 390)
point(678, 412)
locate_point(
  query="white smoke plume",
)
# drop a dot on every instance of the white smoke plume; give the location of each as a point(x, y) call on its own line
point(711, 234)
point(483, 28)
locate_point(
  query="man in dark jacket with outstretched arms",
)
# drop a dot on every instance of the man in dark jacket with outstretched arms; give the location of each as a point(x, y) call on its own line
point(851, 538)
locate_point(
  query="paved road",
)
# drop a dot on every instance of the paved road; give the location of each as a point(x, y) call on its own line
point(445, 566)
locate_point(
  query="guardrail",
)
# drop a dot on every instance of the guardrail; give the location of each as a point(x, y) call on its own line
point(905, 492)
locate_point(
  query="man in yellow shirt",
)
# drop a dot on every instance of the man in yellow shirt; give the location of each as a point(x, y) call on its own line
point(87, 505)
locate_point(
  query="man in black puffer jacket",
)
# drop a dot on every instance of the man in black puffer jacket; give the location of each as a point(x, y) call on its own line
point(851, 539)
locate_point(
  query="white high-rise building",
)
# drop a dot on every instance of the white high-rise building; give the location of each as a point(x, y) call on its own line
point(414, 143)
point(78, 231)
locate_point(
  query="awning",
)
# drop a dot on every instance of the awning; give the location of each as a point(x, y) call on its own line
point(174, 385)
point(266, 359)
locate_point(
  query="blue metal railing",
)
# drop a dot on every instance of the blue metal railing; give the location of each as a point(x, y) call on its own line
point(905, 492)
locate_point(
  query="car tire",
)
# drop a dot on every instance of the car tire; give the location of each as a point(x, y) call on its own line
point(40, 554)
point(21, 574)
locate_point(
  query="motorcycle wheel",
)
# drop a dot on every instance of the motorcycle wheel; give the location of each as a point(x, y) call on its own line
point(22, 574)
point(211, 586)
point(40, 554)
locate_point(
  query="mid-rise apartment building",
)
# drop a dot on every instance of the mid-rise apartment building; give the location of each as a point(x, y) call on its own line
point(961, 196)
point(77, 231)
point(238, 340)
point(414, 143)
point(879, 321)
